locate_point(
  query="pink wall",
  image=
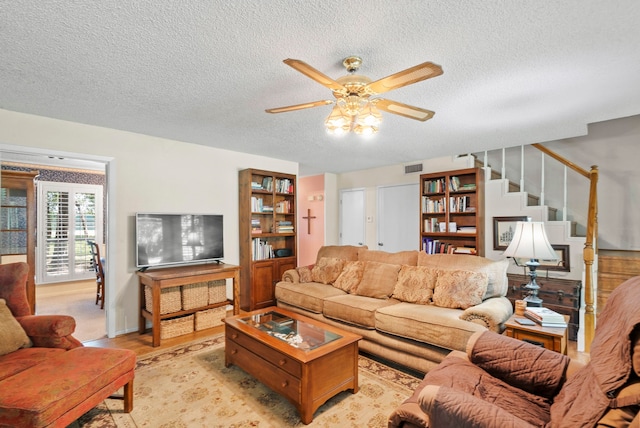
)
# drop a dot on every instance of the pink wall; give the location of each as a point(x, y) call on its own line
point(310, 197)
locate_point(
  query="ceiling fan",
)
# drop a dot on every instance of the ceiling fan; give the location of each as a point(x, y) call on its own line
point(355, 106)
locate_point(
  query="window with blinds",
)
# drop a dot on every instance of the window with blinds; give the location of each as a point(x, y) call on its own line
point(71, 215)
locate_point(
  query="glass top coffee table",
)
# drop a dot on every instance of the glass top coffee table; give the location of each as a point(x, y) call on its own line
point(303, 359)
point(295, 332)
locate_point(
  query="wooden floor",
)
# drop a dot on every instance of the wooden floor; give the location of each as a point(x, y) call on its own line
point(141, 343)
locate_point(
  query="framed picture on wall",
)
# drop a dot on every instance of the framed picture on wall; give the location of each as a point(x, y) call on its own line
point(562, 264)
point(503, 230)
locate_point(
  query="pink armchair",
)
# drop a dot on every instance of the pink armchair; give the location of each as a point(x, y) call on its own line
point(48, 379)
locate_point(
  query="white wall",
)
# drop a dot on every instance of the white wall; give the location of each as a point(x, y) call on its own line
point(371, 179)
point(145, 174)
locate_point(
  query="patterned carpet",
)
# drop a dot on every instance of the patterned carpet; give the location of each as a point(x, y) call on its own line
point(189, 386)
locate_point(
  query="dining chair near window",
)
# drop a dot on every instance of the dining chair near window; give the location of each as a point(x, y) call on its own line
point(96, 263)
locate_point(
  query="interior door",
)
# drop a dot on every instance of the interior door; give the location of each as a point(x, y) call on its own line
point(352, 217)
point(398, 217)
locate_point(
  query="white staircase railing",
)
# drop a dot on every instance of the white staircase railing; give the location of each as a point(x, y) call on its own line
point(590, 246)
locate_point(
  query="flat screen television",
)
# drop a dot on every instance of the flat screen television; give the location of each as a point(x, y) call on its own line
point(171, 239)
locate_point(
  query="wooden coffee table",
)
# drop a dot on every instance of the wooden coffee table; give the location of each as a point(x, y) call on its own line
point(304, 360)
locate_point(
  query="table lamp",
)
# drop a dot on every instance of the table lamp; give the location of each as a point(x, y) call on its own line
point(530, 242)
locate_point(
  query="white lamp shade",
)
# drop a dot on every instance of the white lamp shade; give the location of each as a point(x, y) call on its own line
point(530, 242)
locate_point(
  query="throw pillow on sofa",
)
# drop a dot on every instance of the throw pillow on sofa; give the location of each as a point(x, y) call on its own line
point(459, 288)
point(327, 270)
point(12, 335)
point(378, 280)
point(496, 270)
point(350, 276)
point(415, 284)
point(304, 273)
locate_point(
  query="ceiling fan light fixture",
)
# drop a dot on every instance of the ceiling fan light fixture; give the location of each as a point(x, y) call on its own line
point(338, 123)
point(354, 111)
point(364, 130)
point(370, 116)
point(352, 105)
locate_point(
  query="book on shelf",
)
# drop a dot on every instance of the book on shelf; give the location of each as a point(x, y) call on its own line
point(267, 184)
point(544, 315)
point(261, 250)
point(284, 226)
point(431, 224)
point(435, 246)
point(256, 227)
point(432, 205)
point(467, 229)
point(283, 206)
point(454, 183)
point(433, 186)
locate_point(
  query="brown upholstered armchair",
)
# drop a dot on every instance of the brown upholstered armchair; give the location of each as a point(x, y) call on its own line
point(46, 331)
point(504, 382)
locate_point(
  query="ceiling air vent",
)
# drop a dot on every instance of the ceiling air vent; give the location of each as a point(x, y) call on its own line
point(409, 169)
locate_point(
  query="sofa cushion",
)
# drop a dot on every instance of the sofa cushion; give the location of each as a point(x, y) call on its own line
point(23, 358)
point(344, 252)
point(459, 288)
point(309, 296)
point(12, 335)
point(496, 270)
point(426, 323)
point(357, 310)
point(415, 284)
point(327, 270)
point(350, 276)
point(409, 257)
point(378, 280)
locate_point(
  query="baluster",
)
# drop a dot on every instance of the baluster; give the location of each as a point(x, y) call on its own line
point(522, 168)
point(542, 180)
point(565, 192)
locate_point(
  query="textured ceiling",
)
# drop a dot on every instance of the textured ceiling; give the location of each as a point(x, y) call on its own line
point(515, 72)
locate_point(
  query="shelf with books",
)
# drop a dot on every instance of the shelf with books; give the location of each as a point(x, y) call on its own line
point(452, 212)
point(267, 206)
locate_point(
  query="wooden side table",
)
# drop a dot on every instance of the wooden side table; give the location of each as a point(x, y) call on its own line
point(552, 338)
point(182, 275)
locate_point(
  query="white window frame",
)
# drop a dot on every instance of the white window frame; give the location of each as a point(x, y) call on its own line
point(71, 188)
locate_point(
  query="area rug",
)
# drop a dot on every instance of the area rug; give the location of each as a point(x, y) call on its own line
point(189, 386)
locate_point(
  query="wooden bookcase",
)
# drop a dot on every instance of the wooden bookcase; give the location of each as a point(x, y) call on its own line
point(18, 224)
point(452, 212)
point(267, 212)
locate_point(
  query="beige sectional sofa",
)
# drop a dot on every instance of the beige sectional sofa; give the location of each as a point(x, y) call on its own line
point(410, 307)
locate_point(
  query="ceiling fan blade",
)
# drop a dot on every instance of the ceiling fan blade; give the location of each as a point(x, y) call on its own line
point(314, 74)
point(401, 109)
point(299, 106)
point(406, 77)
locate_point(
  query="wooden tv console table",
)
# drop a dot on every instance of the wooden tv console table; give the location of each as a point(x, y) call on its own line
point(158, 279)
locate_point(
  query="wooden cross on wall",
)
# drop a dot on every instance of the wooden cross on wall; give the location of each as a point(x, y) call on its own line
point(309, 217)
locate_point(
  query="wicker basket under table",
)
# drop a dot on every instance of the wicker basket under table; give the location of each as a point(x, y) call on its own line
point(173, 327)
point(210, 318)
point(170, 300)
